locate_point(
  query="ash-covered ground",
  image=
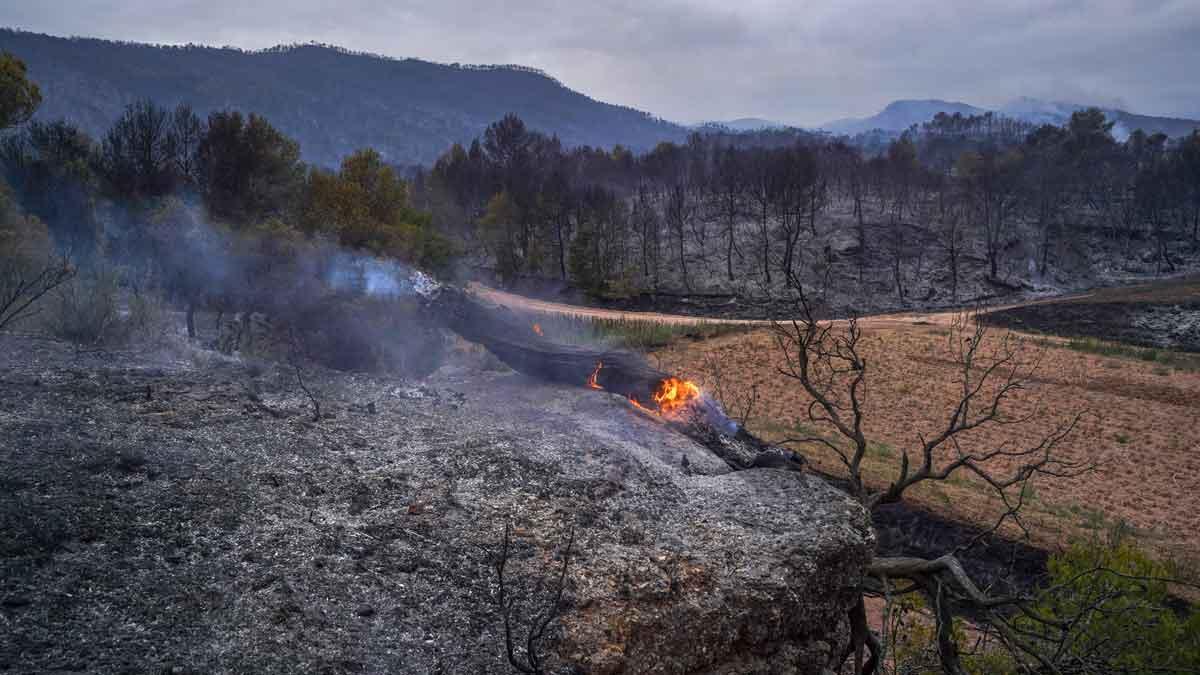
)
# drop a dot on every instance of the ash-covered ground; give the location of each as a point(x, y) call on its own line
point(1165, 314)
point(184, 514)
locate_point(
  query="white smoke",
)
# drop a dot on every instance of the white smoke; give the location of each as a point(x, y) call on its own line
point(377, 277)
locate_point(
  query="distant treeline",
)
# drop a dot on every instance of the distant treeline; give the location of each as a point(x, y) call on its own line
point(747, 205)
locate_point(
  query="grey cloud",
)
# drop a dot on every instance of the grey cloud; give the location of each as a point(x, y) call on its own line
point(801, 62)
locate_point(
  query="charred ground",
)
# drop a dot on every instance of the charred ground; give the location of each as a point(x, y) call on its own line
point(185, 514)
point(1158, 315)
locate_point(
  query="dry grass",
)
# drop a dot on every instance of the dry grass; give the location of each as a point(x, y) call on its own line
point(629, 333)
point(1142, 432)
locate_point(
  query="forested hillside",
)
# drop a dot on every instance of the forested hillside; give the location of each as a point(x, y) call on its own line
point(961, 209)
point(331, 101)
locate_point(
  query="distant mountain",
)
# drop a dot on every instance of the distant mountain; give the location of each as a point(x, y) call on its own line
point(332, 101)
point(744, 124)
point(1038, 111)
point(900, 115)
point(1057, 112)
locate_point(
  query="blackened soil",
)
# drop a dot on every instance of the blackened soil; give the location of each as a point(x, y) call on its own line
point(1162, 325)
point(186, 518)
point(183, 513)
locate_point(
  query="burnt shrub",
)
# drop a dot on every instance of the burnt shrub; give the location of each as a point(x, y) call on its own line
point(97, 306)
point(357, 333)
point(85, 309)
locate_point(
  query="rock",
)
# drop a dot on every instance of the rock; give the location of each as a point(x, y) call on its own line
point(685, 566)
point(267, 544)
point(758, 576)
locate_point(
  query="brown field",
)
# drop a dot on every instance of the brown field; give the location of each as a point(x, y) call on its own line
point(1141, 429)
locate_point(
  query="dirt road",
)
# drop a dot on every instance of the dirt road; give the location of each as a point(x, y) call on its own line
point(520, 302)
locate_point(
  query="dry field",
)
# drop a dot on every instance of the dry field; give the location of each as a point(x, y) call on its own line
point(1141, 429)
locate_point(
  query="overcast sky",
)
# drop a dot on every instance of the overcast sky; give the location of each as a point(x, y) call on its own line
point(798, 62)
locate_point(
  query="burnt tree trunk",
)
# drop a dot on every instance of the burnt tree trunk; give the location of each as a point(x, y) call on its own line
point(511, 338)
point(191, 320)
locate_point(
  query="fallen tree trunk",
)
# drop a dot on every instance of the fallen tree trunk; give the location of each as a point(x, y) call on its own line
point(513, 340)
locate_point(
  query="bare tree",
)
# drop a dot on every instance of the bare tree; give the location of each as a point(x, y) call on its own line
point(728, 201)
point(761, 197)
point(828, 361)
point(295, 351)
point(679, 211)
point(650, 233)
point(992, 182)
point(952, 239)
point(531, 661)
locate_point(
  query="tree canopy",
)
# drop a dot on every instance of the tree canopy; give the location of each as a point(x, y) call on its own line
point(19, 97)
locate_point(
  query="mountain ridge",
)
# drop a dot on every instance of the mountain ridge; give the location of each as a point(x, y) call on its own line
point(331, 99)
point(899, 115)
point(903, 113)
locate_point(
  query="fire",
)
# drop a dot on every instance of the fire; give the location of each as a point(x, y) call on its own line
point(637, 405)
point(671, 395)
point(595, 373)
point(537, 328)
point(674, 393)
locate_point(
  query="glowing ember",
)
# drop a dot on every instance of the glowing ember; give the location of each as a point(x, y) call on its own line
point(595, 373)
point(537, 328)
point(674, 393)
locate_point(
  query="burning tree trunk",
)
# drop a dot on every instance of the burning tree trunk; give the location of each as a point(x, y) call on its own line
point(514, 341)
point(678, 402)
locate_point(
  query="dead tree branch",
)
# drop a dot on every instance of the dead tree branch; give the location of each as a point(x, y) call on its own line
point(20, 288)
point(827, 359)
point(294, 353)
point(531, 661)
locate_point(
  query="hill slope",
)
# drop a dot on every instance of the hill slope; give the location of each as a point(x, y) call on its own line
point(330, 100)
point(900, 115)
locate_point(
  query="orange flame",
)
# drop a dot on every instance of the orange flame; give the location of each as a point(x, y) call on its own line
point(637, 405)
point(537, 328)
point(674, 393)
point(595, 373)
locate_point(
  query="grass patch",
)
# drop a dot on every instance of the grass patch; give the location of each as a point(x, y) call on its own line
point(635, 334)
point(881, 450)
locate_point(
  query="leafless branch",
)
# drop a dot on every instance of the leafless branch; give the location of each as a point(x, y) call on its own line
point(531, 661)
point(827, 359)
point(294, 353)
point(20, 289)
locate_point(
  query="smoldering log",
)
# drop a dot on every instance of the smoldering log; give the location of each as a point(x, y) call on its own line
point(512, 339)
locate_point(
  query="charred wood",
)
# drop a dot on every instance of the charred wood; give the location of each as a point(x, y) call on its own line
point(511, 339)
